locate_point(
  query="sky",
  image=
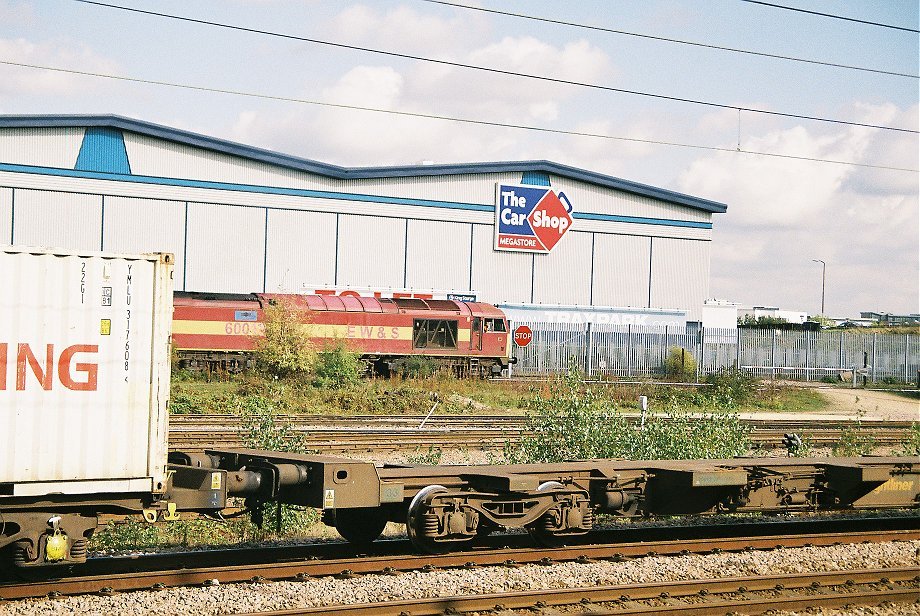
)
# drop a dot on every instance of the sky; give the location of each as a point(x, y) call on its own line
point(853, 203)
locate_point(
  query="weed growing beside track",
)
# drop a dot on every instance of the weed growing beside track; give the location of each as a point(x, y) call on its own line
point(577, 422)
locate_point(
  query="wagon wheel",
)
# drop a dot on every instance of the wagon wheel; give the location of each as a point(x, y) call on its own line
point(415, 521)
point(360, 525)
point(538, 530)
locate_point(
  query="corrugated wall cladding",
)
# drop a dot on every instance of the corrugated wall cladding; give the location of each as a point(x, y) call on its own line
point(371, 252)
point(603, 200)
point(42, 147)
point(58, 220)
point(6, 215)
point(438, 255)
point(145, 225)
point(156, 157)
point(621, 270)
point(564, 276)
point(680, 275)
point(225, 248)
point(500, 276)
point(300, 251)
point(239, 235)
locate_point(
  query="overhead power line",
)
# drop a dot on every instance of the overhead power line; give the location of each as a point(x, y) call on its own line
point(668, 40)
point(497, 71)
point(831, 15)
point(431, 116)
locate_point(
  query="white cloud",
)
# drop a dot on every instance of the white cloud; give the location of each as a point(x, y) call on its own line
point(354, 138)
point(21, 81)
point(367, 86)
point(784, 213)
point(402, 29)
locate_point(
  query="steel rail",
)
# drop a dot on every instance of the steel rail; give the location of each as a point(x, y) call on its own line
point(716, 596)
point(300, 569)
point(374, 433)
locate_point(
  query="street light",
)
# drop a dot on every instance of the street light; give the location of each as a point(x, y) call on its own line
point(823, 271)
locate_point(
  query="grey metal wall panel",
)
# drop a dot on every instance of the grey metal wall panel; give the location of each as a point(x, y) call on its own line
point(602, 200)
point(438, 256)
point(225, 248)
point(57, 220)
point(300, 251)
point(42, 147)
point(647, 230)
point(371, 252)
point(160, 158)
point(499, 276)
point(146, 225)
point(564, 275)
point(6, 215)
point(680, 275)
point(621, 270)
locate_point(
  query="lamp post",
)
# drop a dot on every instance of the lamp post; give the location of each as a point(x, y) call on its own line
point(823, 272)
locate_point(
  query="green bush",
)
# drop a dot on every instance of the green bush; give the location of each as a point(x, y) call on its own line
point(337, 368)
point(416, 367)
point(730, 387)
point(284, 351)
point(574, 422)
point(261, 429)
point(854, 441)
point(911, 445)
point(680, 363)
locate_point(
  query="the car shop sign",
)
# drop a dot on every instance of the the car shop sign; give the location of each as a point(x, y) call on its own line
point(530, 218)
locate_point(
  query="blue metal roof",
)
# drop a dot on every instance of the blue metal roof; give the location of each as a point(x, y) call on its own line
point(334, 171)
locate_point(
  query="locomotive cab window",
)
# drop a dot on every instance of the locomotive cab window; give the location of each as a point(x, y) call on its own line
point(495, 325)
point(434, 334)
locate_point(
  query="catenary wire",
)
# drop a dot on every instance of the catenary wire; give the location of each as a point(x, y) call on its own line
point(668, 40)
point(431, 116)
point(831, 15)
point(495, 70)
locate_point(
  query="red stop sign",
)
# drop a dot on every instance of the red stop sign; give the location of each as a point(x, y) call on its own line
point(523, 335)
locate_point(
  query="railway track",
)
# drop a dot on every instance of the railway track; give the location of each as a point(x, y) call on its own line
point(110, 575)
point(715, 597)
point(335, 433)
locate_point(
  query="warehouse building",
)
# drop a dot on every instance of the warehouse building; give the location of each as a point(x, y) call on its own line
point(244, 219)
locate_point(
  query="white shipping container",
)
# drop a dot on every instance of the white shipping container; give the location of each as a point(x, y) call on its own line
point(84, 371)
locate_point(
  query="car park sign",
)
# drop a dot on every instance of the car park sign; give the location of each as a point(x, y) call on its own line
point(530, 218)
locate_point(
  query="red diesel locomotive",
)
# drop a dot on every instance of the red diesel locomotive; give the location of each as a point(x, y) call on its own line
point(219, 330)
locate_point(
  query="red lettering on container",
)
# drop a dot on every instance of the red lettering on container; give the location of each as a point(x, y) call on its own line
point(27, 361)
point(91, 370)
point(24, 356)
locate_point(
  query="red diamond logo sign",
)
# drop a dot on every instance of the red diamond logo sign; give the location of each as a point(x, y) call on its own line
point(551, 219)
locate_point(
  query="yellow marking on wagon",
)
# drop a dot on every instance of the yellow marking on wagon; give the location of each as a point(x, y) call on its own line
point(894, 485)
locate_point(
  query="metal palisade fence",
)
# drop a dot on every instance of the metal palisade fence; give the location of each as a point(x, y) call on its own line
point(630, 350)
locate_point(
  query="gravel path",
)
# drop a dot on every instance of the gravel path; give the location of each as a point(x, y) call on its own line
point(329, 591)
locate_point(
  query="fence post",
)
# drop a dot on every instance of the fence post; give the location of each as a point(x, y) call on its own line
point(773, 355)
point(874, 335)
point(806, 354)
point(737, 348)
point(907, 358)
point(665, 346)
point(840, 365)
point(588, 362)
point(629, 350)
point(701, 343)
point(511, 346)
